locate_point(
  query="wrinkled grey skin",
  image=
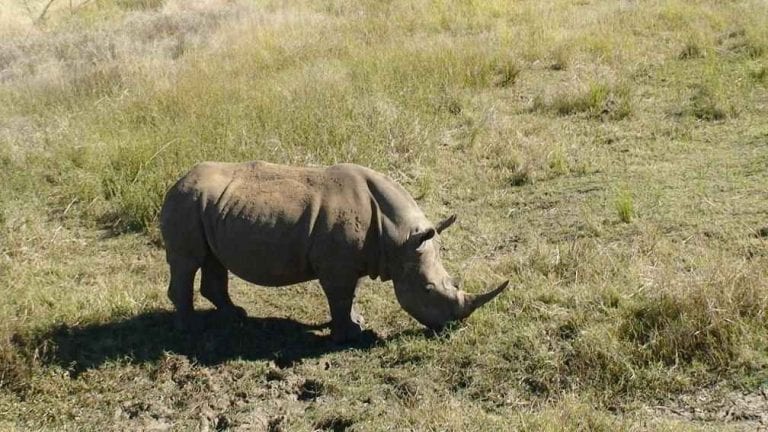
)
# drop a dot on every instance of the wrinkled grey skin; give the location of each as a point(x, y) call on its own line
point(276, 225)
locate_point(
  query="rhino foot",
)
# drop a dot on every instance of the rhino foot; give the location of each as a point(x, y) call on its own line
point(233, 313)
point(240, 312)
point(349, 330)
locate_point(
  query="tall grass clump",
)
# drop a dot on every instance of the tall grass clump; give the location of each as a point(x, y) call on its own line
point(759, 73)
point(558, 162)
point(297, 100)
point(597, 100)
point(624, 205)
point(623, 340)
point(710, 97)
point(704, 322)
point(672, 329)
point(15, 371)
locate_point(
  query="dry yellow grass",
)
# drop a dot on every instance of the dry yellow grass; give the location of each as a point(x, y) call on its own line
point(609, 157)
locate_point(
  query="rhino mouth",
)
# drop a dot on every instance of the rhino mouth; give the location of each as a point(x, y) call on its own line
point(465, 305)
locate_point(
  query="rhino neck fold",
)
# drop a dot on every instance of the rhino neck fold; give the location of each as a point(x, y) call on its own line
point(378, 264)
point(393, 214)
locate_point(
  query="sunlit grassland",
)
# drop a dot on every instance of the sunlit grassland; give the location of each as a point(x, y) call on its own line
point(609, 157)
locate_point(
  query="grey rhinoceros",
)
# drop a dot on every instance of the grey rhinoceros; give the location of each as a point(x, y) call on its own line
point(277, 225)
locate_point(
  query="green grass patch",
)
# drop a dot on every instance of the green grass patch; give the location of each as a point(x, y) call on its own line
point(624, 205)
point(597, 100)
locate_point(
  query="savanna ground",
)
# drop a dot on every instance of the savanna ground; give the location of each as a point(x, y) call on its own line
point(609, 157)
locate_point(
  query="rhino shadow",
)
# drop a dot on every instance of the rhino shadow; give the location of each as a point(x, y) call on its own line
point(148, 336)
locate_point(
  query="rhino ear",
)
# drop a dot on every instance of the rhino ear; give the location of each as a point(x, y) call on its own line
point(445, 223)
point(420, 238)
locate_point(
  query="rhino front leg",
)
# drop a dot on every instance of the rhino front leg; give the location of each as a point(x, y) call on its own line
point(215, 287)
point(346, 322)
point(180, 291)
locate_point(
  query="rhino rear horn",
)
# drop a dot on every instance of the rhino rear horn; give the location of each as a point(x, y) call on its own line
point(474, 301)
point(445, 223)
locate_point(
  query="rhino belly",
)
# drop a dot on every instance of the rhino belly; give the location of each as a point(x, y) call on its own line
point(267, 248)
point(273, 271)
point(261, 258)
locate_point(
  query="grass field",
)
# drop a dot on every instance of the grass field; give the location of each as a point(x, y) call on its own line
point(608, 157)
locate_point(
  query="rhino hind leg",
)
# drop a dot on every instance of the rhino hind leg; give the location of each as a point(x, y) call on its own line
point(180, 291)
point(215, 287)
point(346, 322)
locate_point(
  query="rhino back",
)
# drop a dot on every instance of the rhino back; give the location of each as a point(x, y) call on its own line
point(277, 225)
point(260, 226)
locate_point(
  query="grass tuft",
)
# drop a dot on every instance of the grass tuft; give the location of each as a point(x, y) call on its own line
point(684, 325)
point(139, 4)
point(15, 371)
point(335, 424)
point(624, 205)
point(691, 50)
point(759, 73)
point(597, 100)
point(561, 58)
point(705, 104)
point(739, 41)
point(506, 74)
point(558, 162)
point(521, 175)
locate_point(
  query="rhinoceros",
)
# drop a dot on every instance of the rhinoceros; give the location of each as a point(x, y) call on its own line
point(276, 225)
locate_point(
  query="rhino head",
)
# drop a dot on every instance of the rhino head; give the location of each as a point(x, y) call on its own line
point(423, 287)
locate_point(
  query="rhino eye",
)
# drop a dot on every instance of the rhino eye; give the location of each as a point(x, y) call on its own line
point(429, 287)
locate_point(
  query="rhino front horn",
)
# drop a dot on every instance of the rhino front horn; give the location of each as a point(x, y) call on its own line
point(474, 301)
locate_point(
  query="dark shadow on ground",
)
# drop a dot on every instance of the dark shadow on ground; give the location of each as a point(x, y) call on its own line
point(146, 337)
